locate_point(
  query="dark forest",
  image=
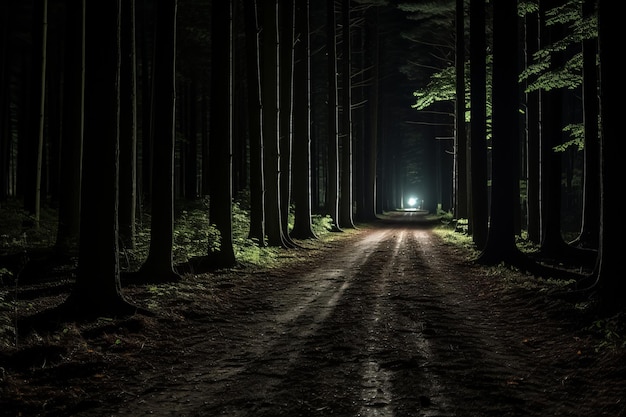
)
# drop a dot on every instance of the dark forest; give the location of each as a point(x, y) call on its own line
point(143, 140)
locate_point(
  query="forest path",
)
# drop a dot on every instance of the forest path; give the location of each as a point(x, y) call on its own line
point(392, 323)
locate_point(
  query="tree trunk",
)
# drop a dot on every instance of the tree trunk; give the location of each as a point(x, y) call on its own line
point(35, 138)
point(97, 290)
point(500, 245)
point(6, 28)
point(191, 144)
point(158, 266)
point(332, 194)
point(612, 286)
point(302, 228)
point(345, 200)
point(461, 195)
point(220, 136)
point(72, 140)
point(589, 231)
point(257, 212)
point(551, 135)
point(286, 33)
point(144, 174)
point(128, 128)
point(371, 148)
point(533, 40)
point(479, 212)
point(270, 99)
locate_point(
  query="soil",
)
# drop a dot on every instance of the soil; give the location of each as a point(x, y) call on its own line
point(388, 319)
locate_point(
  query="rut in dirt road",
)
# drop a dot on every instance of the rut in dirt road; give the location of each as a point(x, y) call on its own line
point(385, 327)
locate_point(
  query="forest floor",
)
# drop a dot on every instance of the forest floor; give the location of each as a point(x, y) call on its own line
point(388, 319)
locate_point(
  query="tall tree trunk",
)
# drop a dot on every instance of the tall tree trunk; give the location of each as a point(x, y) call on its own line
point(551, 135)
point(479, 211)
point(158, 266)
point(191, 144)
point(612, 285)
point(286, 33)
point(500, 245)
point(144, 175)
point(204, 145)
point(461, 195)
point(552, 243)
point(302, 228)
point(72, 140)
point(97, 290)
point(371, 147)
point(220, 136)
point(257, 212)
point(533, 40)
point(35, 139)
point(345, 200)
point(51, 152)
point(271, 117)
point(128, 128)
point(589, 231)
point(5, 99)
point(332, 194)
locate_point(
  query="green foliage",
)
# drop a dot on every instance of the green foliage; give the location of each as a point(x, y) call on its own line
point(451, 236)
point(248, 251)
point(429, 8)
point(541, 73)
point(611, 331)
point(442, 87)
point(372, 2)
point(193, 235)
point(29, 235)
point(577, 135)
point(527, 7)
point(321, 225)
point(445, 216)
point(568, 76)
point(7, 331)
point(525, 245)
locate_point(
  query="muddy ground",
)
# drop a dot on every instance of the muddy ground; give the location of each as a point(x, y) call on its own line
point(386, 320)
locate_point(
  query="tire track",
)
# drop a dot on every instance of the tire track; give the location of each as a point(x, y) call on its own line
point(394, 324)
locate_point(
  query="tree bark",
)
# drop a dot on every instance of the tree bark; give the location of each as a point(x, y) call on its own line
point(97, 290)
point(220, 137)
point(346, 189)
point(461, 195)
point(271, 118)
point(500, 245)
point(158, 267)
point(257, 212)
point(332, 186)
point(589, 231)
point(479, 211)
point(302, 228)
point(611, 285)
point(128, 128)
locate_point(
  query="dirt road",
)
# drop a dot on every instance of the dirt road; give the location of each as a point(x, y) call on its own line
point(390, 322)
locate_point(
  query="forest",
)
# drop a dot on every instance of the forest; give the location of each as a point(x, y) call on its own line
point(119, 119)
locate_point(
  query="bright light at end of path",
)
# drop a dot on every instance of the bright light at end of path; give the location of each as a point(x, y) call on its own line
point(412, 201)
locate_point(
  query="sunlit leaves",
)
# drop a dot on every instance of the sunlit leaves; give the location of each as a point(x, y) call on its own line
point(440, 88)
point(577, 137)
point(541, 74)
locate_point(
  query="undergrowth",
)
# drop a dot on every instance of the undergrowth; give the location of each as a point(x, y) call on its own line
point(610, 332)
point(193, 236)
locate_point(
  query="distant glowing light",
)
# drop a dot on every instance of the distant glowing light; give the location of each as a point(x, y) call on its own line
point(412, 201)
